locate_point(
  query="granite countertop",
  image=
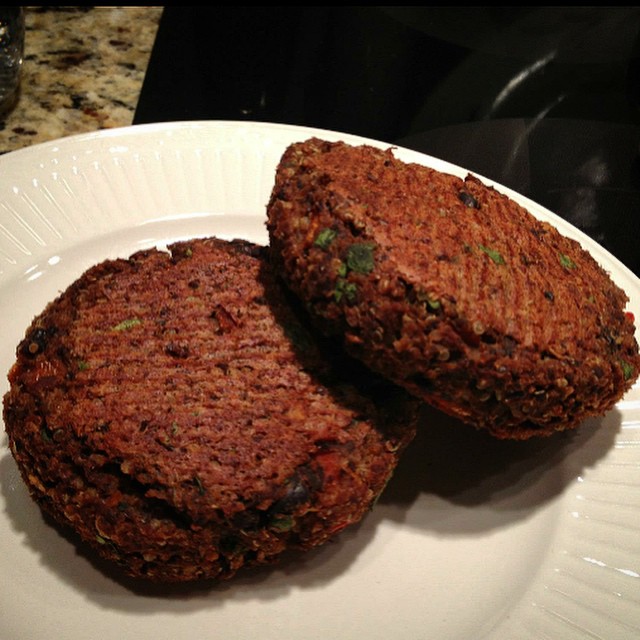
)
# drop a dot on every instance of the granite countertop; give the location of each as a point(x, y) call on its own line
point(83, 70)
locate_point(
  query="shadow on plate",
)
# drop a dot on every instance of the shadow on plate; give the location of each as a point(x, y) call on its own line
point(494, 481)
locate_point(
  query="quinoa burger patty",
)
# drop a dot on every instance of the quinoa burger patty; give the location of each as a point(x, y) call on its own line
point(175, 411)
point(451, 289)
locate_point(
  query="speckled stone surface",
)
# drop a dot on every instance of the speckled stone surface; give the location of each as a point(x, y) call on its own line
point(83, 70)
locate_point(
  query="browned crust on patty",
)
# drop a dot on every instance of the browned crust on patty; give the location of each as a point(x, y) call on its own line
point(451, 289)
point(176, 412)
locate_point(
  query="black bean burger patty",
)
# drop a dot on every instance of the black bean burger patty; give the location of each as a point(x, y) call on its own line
point(451, 289)
point(176, 412)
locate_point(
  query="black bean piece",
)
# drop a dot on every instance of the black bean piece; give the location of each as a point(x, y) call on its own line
point(177, 350)
point(468, 200)
point(296, 494)
point(299, 489)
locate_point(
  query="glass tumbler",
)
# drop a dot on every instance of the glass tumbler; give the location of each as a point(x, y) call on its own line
point(11, 53)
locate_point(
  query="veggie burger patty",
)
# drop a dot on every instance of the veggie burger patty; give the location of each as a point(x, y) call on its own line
point(451, 289)
point(175, 410)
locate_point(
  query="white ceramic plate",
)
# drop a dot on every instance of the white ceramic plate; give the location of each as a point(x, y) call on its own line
point(473, 538)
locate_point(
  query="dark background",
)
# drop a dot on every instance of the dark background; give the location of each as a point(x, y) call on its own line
point(545, 100)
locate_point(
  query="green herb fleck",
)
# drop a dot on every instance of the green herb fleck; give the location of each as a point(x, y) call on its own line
point(433, 303)
point(164, 440)
point(342, 270)
point(493, 254)
point(52, 436)
point(325, 238)
point(199, 484)
point(345, 290)
point(628, 370)
point(82, 365)
point(282, 523)
point(360, 257)
point(127, 324)
point(100, 539)
point(566, 261)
